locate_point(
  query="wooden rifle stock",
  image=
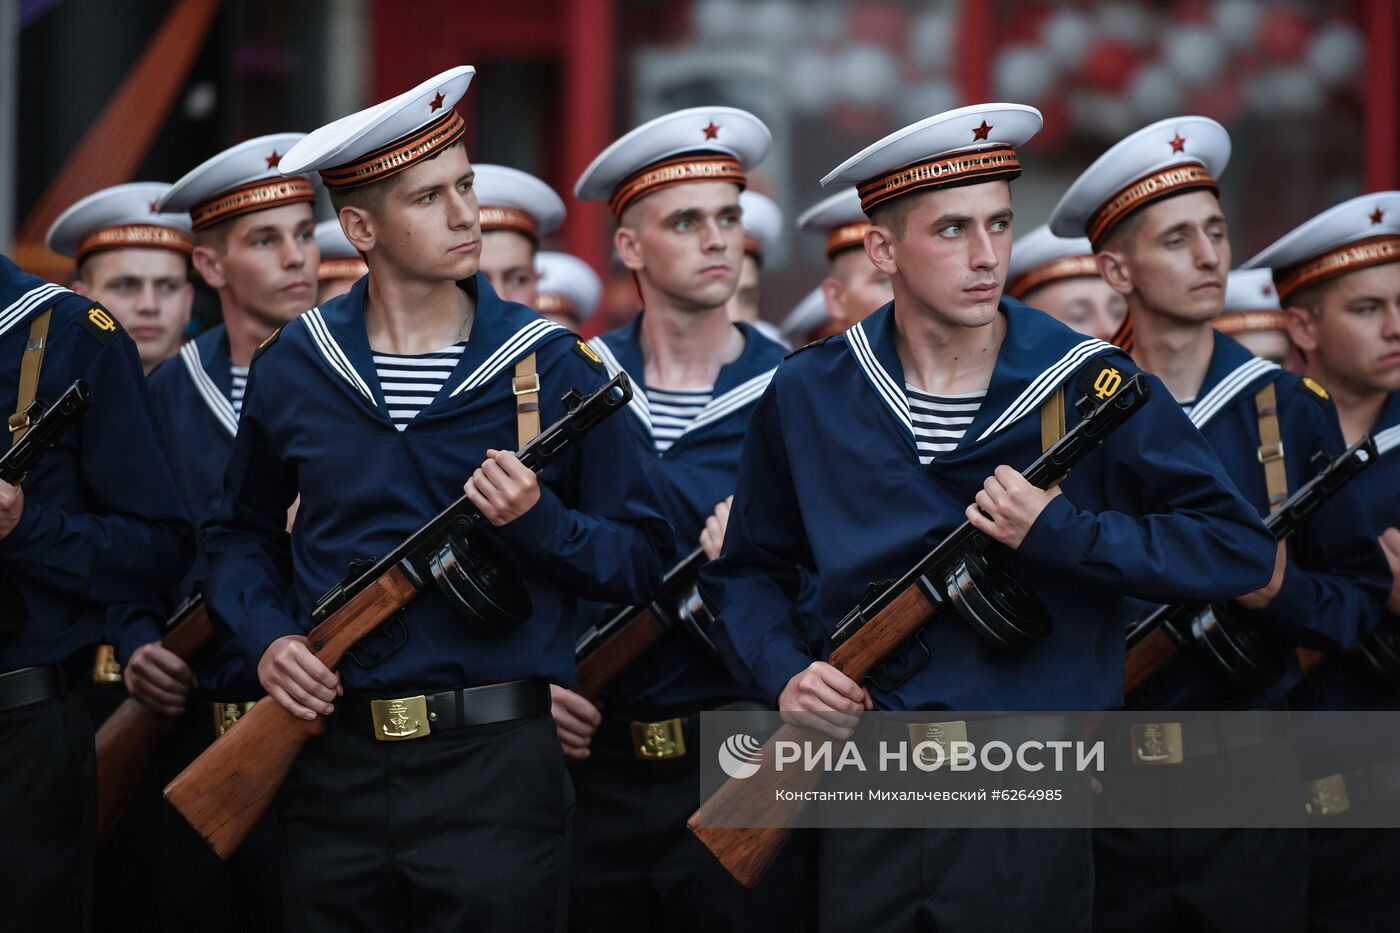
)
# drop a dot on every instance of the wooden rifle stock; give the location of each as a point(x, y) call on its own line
point(618, 641)
point(1156, 640)
point(868, 636)
point(224, 791)
point(128, 740)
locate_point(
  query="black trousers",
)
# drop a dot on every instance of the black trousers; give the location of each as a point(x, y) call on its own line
point(637, 867)
point(465, 830)
point(1351, 875)
point(48, 816)
point(901, 880)
point(156, 875)
point(1207, 879)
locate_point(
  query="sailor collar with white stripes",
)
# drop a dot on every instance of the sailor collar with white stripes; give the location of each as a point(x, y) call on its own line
point(1233, 372)
point(206, 361)
point(502, 332)
point(29, 304)
point(1037, 355)
point(1386, 430)
point(738, 385)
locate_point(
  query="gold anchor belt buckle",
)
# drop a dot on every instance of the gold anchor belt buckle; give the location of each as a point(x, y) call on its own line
point(105, 669)
point(1157, 743)
point(658, 741)
point(942, 734)
point(226, 714)
point(1327, 796)
point(401, 719)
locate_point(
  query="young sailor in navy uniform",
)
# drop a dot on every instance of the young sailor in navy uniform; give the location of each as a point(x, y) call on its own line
point(1253, 316)
point(134, 260)
point(375, 408)
point(867, 449)
point(254, 241)
point(1338, 276)
point(517, 212)
point(1059, 276)
point(763, 228)
point(341, 265)
point(674, 186)
point(854, 286)
point(569, 289)
point(96, 522)
point(1150, 208)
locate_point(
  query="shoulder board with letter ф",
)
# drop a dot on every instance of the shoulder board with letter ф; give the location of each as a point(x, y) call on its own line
point(590, 356)
point(268, 341)
point(1313, 389)
point(1101, 379)
point(807, 346)
point(99, 322)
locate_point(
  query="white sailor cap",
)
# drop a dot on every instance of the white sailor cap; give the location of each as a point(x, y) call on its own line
point(567, 285)
point(385, 139)
point(239, 181)
point(339, 258)
point(840, 218)
point(967, 146)
point(514, 200)
point(120, 217)
point(763, 223)
point(806, 317)
point(1355, 234)
point(1040, 258)
point(1170, 157)
point(694, 145)
point(1251, 303)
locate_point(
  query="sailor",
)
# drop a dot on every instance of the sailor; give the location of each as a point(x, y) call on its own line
point(96, 522)
point(437, 796)
point(517, 212)
point(867, 449)
point(569, 289)
point(1151, 209)
point(674, 186)
point(134, 260)
point(341, 265)
point(854, 286)
point(1253, 317)
point(763, 228)
point(1058, 275)
point(1338, 276)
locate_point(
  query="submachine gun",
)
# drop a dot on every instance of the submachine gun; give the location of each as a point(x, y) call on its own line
point(1225, 634)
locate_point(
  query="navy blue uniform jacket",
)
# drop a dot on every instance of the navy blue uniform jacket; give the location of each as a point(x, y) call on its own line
point(1336, 579)
point(314, 422)
point(1347, 682)
point(192, 399)
point(830, 479)
point(102, 520)
point(694, 475)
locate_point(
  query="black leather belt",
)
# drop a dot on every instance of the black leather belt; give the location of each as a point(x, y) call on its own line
point(1166, 742)
point(396, 719)
point(1350, 790)
point(28, 685)
point(653, 735)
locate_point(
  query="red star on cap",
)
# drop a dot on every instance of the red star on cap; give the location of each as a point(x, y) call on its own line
point(436, 103)
point(1377, 216)
point(153, 204)
point(1177, 143)
point(1266, 290)
point(711, 131)
point(273, 159)
point(980, 132)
